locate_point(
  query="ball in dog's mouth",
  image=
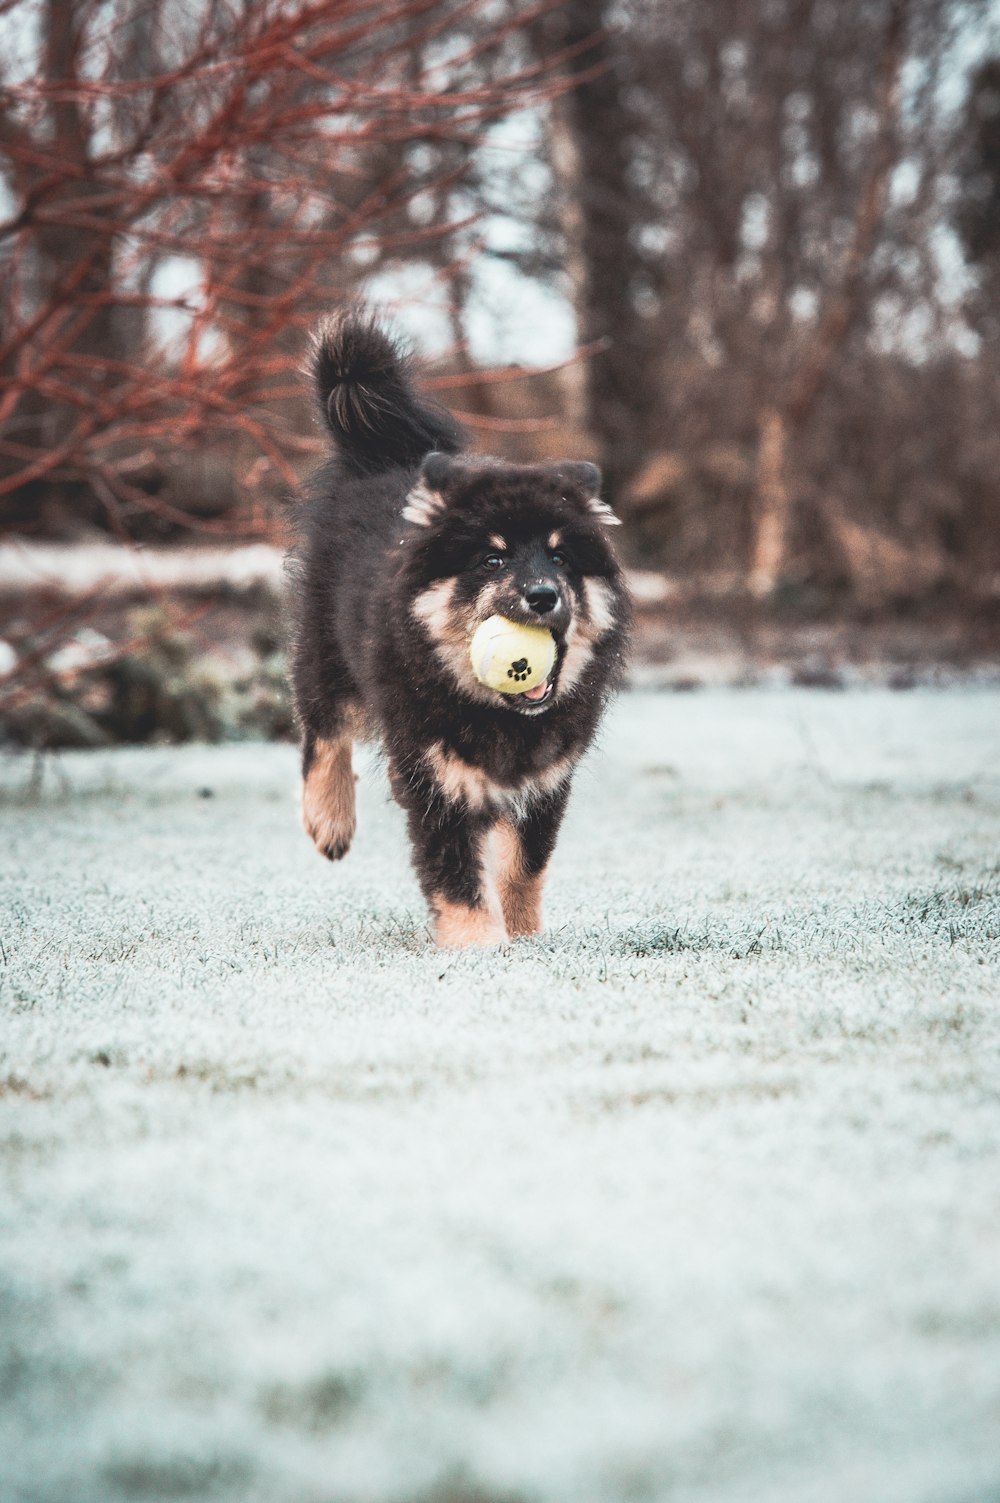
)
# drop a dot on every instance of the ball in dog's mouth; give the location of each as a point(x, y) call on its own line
point(514, 659)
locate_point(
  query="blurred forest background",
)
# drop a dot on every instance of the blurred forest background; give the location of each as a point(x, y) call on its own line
point(746, 254)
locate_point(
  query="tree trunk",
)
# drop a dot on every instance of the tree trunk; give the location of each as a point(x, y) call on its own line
point(70, 286)
point(773, 503)
point(781, 421)
point(605, 265)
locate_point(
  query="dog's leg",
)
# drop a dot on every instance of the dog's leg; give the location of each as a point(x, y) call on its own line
point(448, 849)
point(522, 850)
point(328, 800)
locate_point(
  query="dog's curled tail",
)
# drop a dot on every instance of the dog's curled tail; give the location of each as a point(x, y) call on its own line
point(367, 397)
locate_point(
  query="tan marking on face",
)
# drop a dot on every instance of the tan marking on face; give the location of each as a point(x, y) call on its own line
point(520, 894)
point(451, 628)
point(457, 926)
point(433, 608)
point(578, 652)
point(555, 538)
point(328, 799)
point(496, 541)
point(594, 620)
point(599, 604)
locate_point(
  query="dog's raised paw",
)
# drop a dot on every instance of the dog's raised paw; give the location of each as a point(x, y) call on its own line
point(328, 807)
point(332, 838)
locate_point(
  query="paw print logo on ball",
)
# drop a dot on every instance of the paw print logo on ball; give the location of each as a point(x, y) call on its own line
point(519, 670)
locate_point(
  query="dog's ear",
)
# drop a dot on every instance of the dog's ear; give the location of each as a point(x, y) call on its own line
point(585, 478)
point(436, 468)
point(581, 475)
point(426, 499)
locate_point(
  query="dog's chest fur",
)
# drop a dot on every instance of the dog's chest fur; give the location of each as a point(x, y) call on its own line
point(482, 757)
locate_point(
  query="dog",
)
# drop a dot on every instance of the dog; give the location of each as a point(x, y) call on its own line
point(407, 543)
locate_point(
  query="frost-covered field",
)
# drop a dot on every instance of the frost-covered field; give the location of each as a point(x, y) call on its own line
point(697, 1199)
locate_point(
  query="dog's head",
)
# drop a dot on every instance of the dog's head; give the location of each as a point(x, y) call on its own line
point(527, 542)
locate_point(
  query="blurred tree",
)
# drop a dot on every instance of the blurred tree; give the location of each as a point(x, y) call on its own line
point(596, 134)
point(755, 208)
point(978, 214)
point(751, 205)
point(185, 187)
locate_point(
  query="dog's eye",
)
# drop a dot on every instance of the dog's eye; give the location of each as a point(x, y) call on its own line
point(558, 557)
point(493, 561)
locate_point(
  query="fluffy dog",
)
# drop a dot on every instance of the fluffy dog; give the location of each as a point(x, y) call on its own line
point(406, 546)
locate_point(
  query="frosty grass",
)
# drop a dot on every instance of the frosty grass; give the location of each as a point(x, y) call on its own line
point(696, 1199)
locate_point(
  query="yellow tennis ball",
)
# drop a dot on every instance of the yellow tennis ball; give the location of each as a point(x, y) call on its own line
point(509, 657)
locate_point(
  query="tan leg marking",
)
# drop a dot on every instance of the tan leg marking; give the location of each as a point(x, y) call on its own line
point(520, 895)
point(328, 803)
point(456, 927)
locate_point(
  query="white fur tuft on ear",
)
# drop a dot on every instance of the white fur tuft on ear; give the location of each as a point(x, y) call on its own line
point(422, 504)
point(602, 511)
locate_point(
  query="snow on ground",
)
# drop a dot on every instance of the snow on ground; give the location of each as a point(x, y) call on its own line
point(696, 1199)
point(76, 568)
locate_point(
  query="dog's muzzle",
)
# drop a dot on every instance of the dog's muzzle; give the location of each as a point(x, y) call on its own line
point(542, 604)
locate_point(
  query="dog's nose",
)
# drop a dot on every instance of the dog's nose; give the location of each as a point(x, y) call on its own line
point(541, 598)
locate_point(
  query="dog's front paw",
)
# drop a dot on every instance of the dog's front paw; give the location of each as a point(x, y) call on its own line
point(332, 838)
point(331, 842)
point(328, 805)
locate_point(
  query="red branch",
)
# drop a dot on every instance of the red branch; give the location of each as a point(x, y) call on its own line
point(279, 150)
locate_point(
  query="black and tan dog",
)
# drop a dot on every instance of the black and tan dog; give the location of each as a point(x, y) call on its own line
point(406, 547)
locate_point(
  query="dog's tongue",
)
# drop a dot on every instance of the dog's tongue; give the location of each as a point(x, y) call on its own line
point(539, 691)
